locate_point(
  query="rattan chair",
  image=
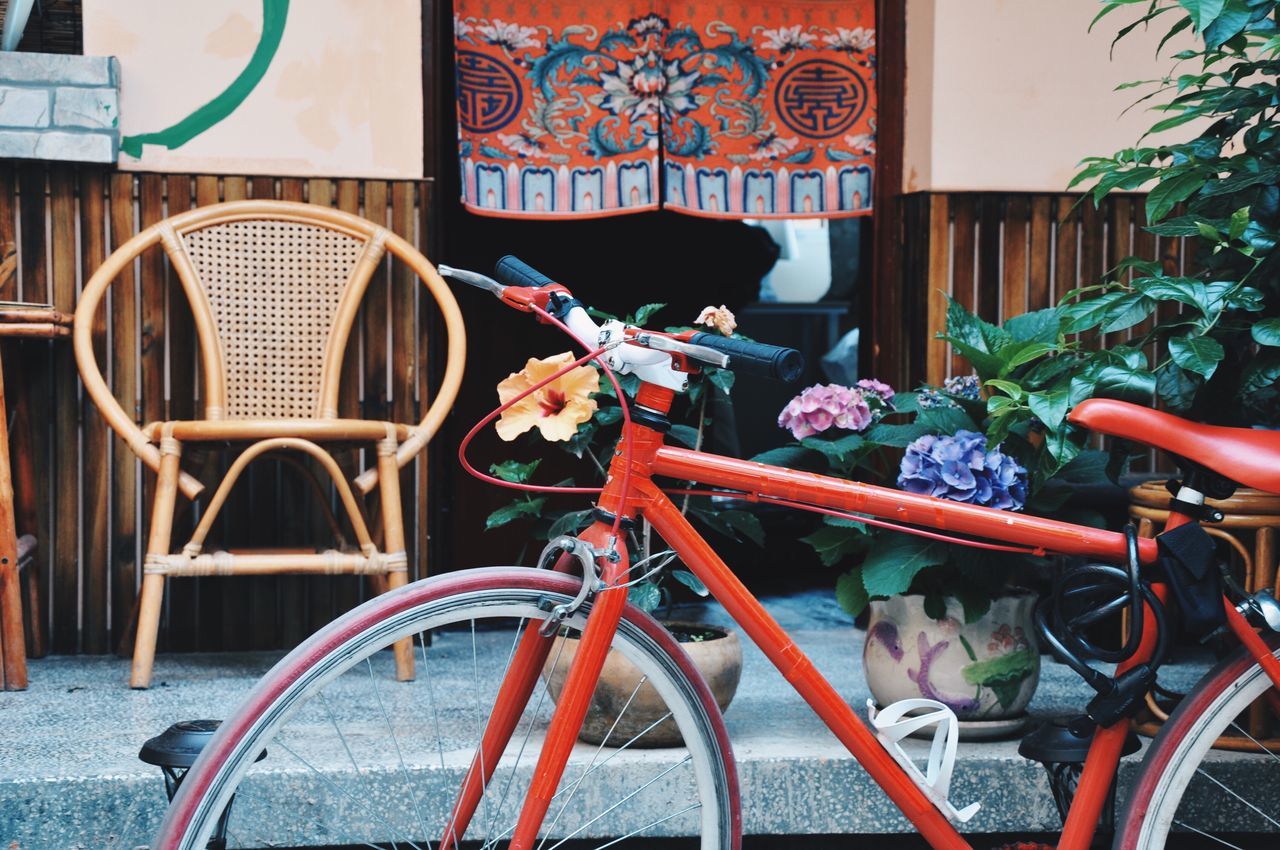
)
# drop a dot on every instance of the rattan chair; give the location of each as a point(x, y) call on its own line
point(274, 288)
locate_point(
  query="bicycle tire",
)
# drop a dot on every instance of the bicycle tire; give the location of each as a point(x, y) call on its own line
point(1179, 752)
point(324, 657)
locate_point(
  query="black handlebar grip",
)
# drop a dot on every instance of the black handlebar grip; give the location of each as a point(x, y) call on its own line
point(512, 271)
point(756, 358)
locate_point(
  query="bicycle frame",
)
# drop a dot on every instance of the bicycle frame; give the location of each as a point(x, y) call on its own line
point(649, 457)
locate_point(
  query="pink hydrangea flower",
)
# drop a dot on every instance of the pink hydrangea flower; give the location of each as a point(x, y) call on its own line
point(824, 406)
point(879, 388)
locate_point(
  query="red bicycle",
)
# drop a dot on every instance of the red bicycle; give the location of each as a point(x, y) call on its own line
point(475, 750)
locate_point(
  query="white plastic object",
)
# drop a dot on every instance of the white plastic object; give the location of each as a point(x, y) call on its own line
point(15, 21)
point(892, 725)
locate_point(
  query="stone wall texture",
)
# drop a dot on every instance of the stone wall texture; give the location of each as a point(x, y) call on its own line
point(59, 106)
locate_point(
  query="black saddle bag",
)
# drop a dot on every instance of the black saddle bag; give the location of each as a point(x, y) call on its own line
point(1188, 562)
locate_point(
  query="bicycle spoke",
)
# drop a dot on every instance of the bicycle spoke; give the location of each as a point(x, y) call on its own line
point(1220, 784)
point(533, 721)
point(650, 825)
point(234, 840)
point(395, 740)
point(475, 691)
point(431, 697)
point(683, 761)
point(1259, 744)
point(1191, 828)
point(577, 781)
point(573, 789)
point(360, 803)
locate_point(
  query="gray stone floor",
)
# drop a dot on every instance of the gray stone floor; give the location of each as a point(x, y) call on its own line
point(70, 777)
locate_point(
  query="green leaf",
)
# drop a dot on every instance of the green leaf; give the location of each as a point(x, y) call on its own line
point(846, 522)
point(514, 471)
point(833, 544)
point(646, 596)
point(850, 593)
point(1202, 12)
point(1036, 326)
point(745, 523)
point(1126, 312)
point(1171, 191)
point(1199, 354)
point(1017, 665)
point(1009, 388)
point(644, 313)
point(1261, 372)
point(1232, 18)
point(1088, 312)
point(1124, 383)
point(836, 451)
point(946, 420)
point(894, 561)
point(690, 581)
point(898, 436)
point(515, 510)
point(685, 434)
point(1266, 332)
point(570, 523)
point(608, 414)
point(1050, 407)
point(1089, 467)
point(789, 456)
point(722, 379)
point(1176, 388)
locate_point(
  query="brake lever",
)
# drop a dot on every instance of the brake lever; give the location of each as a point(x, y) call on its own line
point(470, 278)
point(700, 353)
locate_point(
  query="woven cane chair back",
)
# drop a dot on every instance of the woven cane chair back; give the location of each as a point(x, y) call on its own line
point(273, 289)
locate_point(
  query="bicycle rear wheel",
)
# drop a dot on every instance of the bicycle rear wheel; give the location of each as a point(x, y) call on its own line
point(1211, 795)
point(355, 758)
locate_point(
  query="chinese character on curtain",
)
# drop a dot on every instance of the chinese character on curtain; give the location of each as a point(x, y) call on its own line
point(726, 109)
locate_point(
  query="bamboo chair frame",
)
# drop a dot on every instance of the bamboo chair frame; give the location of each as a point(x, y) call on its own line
point(276, 397)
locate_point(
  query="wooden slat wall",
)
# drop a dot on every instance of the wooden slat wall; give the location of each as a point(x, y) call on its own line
point(63, 220)
point(1002, 254)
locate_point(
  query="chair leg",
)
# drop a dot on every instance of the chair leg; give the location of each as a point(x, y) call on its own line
point(393, 529)
point(144, 647)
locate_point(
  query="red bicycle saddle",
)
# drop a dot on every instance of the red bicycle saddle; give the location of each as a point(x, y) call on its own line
point(1248, 456)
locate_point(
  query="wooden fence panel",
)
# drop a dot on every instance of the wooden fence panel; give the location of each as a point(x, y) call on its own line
point(62, 221)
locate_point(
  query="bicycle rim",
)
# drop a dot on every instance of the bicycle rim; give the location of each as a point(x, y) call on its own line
point(358, 759)
point(1209, 796)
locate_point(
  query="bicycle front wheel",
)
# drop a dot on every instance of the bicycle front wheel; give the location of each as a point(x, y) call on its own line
point(355, 758)
point(1214, 798)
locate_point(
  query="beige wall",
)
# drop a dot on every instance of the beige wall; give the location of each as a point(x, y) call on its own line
point(1011, 94)
point(341, 97)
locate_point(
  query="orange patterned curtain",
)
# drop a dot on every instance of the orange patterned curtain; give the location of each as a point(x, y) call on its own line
point(734, 109)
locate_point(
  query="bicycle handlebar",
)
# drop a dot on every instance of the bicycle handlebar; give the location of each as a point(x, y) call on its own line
point(756, 358)
point(512, 271)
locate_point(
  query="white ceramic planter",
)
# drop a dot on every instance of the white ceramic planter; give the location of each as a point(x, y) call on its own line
point(986, 671)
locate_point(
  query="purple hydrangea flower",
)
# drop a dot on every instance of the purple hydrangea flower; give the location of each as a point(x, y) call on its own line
point(961, 469)
point(823, 406)
point(876, 388)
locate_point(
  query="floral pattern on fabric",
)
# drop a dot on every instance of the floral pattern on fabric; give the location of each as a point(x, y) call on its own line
point(755, 109)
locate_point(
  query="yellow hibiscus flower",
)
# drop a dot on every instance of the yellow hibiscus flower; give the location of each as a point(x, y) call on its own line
point(558, 408)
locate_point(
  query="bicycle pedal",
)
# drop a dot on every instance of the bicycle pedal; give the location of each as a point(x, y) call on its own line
point(893, 723)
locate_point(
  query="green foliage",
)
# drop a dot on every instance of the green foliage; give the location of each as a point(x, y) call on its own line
point(1220, 188)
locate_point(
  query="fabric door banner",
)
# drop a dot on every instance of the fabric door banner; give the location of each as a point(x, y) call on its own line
point(752, 109)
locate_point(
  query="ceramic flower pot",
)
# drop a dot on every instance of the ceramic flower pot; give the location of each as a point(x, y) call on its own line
point(985, 671)
point(718, 658)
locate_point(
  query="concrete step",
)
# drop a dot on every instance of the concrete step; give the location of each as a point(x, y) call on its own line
point(70, 777)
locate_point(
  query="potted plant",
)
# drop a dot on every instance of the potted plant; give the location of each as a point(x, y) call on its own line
point(571, 412)
point(946, 620)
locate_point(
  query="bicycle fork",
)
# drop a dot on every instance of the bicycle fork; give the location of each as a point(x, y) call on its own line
point(566, 720)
